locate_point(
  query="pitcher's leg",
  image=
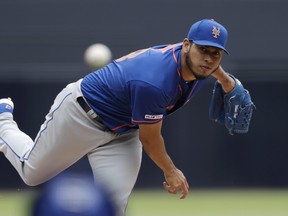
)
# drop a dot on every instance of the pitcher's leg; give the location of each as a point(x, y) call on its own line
point(14, 144)
point(116, 166)
point(64, 138)
point(38, 161)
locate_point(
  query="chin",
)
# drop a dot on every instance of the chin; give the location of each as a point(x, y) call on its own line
point(200, 76)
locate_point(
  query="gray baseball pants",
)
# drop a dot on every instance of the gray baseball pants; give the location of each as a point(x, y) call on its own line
point(67, 135)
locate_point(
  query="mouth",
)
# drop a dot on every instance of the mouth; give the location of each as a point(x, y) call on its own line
point(205, 68)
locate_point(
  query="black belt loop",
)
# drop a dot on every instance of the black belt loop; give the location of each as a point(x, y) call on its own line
point(90, 112)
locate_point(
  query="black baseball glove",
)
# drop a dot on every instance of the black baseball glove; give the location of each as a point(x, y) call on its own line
point(234, 109)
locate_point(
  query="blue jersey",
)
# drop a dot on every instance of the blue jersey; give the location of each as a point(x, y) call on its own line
point(140, 88)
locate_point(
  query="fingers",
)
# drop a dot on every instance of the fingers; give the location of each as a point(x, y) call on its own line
point(184, 191)
point(170, 189)
point(176, 181)
point(174, 190)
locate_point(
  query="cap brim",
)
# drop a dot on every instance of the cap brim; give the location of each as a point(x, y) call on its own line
point(209, 43)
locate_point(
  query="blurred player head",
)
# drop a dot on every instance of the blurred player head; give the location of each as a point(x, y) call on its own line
point(73, 196)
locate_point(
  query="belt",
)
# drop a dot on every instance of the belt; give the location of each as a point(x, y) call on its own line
point(90, 112)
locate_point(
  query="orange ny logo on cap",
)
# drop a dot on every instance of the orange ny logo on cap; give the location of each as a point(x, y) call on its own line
point(216, 31)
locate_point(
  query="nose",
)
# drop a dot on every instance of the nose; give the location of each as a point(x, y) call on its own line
point(208, 58)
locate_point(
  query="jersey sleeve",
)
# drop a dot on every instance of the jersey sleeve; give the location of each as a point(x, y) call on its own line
point(148, 103)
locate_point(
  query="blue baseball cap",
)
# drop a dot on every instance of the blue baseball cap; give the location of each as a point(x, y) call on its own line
point(208, 32)
point(73, 195)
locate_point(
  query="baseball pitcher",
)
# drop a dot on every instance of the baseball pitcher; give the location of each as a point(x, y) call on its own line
point(114, 112)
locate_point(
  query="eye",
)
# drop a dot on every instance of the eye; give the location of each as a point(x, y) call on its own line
point(203, 49)
point(217, 54)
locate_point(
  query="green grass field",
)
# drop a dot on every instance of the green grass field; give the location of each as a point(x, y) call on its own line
point(159, 203)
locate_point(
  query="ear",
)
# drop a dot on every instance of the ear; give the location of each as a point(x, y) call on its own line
point(186, 45)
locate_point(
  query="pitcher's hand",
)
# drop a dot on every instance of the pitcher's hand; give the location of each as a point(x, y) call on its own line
point(175, 181)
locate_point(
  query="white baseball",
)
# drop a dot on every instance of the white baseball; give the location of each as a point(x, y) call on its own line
point(97, 55)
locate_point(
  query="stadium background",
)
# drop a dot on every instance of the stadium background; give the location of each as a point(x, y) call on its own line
point(41, 50)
